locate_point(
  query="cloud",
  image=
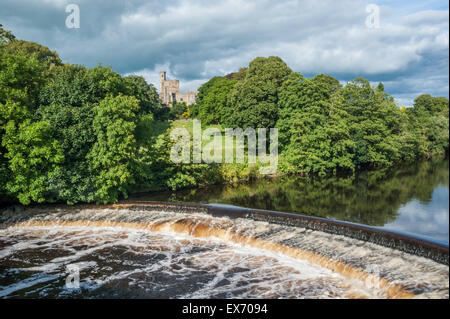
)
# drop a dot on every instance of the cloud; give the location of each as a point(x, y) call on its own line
point(196, 40)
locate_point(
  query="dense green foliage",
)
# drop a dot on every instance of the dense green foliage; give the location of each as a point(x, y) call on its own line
point(68, 133)
point(429, 125)
point(73, 134)
point(313, 127)
point(42, 53)
point(178, 110)
point(212, 104)
point(254, 99)
point(324, 127)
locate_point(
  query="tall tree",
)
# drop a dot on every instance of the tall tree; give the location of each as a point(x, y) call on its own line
point(69, 103)
point(313, 127)
point(113, 155)
point(255, 99)
point(42, 53)
point(374, 124)
point(430, 119)
point(213, 101)
point(330, 82)
point(27, 152)
point(146, 94)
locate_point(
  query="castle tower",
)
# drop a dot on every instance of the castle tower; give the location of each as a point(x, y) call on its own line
point(169, 91)
point(162, 78)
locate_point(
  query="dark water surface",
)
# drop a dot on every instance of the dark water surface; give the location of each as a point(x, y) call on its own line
point(412, 199)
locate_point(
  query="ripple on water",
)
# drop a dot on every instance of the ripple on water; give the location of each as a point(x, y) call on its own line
point(116, 262)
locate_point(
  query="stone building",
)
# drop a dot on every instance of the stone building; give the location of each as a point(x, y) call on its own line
point(169, 91)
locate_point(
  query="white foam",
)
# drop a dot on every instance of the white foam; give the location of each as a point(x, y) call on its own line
point(234, 270)
point(156, 263)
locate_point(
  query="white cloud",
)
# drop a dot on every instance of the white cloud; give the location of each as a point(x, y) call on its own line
point(198, 39)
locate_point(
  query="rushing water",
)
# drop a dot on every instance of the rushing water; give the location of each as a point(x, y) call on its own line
point(135, 263)
point(412, 199)
point(126, 251)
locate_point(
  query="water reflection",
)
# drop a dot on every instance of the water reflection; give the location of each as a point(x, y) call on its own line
point(428, 219)
point(413, 198)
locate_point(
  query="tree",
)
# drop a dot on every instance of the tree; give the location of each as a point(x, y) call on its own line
point(374, 124)
point(432, 105)
point(255, 99)
point(178, 109)
point(5, 35)
point(146, 94)
point(430, 121)
point(113, 156)
point(238, 76)
point(21, 79)
point(213, 102)
point(32, 155)
point(313, 127)
point(42, 53)
point(289, 101)
point(380, 87)
point(332, 84)
point(69, 103)
point(297, 94)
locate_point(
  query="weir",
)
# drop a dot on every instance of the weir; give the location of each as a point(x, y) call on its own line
point(368, 262)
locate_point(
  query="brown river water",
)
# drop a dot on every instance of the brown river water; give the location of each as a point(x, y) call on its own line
point(123, 253)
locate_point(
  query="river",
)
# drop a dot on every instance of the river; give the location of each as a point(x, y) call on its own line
point(411, 198)
point(129, 251)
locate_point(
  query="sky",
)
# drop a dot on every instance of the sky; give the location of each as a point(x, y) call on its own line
point(194, 40)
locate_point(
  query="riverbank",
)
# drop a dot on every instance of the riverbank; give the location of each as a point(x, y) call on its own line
point(168, 177)
point(410, 198)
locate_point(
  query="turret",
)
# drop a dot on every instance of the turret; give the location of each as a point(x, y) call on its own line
point(162, 78)
point(162, 75)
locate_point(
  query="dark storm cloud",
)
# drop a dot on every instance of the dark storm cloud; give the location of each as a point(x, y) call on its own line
point(195, 40)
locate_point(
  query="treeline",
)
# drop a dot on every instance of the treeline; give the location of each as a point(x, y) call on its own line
point(325, 127)
point(73, 134)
